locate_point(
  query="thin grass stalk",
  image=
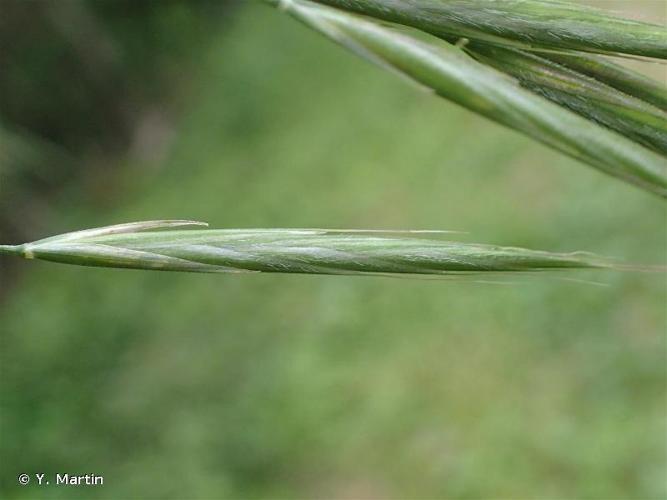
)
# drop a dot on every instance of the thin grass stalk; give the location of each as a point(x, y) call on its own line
point(156, 245)
point(633, 118)
point(527, 24)
point(9, 250)
point(449, 72)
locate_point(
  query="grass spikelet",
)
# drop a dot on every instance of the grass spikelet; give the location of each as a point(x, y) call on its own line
point(527, 24)
point(451, 73)
point(614, 75)
point(157, 246)
point(589, 97)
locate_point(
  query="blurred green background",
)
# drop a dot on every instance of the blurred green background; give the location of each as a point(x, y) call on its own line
point(212, 386)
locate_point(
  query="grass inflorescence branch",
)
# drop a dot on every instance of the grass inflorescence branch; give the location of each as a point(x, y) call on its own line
point(529, 24)
point(10, 250)
point(580, 104)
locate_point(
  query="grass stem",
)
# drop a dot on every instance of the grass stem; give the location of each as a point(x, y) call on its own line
point(10, 249)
